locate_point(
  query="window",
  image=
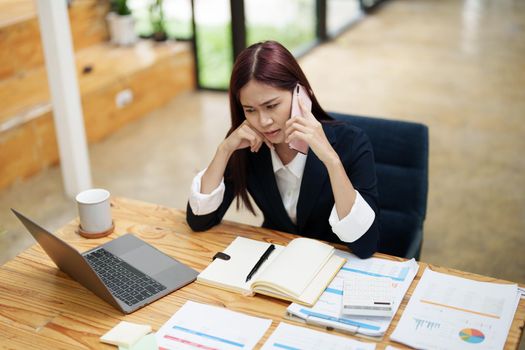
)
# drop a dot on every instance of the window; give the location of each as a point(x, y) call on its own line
point(340, 13)
point(213, 39)
point(177, 18)
point(291, 22)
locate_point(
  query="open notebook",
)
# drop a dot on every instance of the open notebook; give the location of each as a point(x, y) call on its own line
point(298, 272)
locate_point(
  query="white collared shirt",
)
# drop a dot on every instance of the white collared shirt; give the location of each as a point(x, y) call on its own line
point(288, 178)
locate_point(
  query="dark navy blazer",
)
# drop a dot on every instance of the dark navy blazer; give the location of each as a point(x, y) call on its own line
point(316, 199)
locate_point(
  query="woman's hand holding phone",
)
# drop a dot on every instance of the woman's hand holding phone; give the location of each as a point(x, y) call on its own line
point(299, 94)
point(309, 130)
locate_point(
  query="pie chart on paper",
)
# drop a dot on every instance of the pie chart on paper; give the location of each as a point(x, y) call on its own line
point(471, 335)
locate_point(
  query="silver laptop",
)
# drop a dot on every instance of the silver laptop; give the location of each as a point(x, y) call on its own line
point(127, 272)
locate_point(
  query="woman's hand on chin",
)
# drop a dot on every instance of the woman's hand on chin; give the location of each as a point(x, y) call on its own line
point(243, 137)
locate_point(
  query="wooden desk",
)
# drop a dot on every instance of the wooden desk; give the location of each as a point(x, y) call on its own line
point(41, 306)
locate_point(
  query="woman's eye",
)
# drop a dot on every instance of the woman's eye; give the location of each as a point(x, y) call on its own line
point(248, 110)
point(272, 106)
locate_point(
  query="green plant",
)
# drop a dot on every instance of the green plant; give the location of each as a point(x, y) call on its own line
point(156, 13)
point(120, 7)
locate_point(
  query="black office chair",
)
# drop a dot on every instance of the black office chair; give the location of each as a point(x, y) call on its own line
point(401, 154)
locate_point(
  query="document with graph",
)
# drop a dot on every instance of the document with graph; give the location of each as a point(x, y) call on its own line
point(201, 326)
point(450, 312)
point(327, 311)
point(291, 337)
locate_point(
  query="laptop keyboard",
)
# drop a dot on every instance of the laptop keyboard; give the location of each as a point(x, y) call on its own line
point(123, 280)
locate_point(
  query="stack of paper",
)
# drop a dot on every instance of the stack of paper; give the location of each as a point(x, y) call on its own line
point(449, 312)
point(327, 311)
point(292, 337)
point(209, 327)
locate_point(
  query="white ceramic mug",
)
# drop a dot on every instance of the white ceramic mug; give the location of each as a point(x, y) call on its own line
point(94, 210)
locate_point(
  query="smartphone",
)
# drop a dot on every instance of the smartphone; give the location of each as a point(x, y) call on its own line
point(299, 94)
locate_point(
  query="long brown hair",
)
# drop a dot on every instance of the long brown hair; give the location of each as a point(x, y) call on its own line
point(270, 63)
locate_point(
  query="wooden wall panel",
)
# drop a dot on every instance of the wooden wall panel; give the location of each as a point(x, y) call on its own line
point(20, 48)
point(31, 147)
point(18, 158)
point(151, 89)
point(20, 44)
point(88, 22)
point(45, 143)
point(13, 11)
point(23, 92)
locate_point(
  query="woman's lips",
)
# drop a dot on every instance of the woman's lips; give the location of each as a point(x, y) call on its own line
point(272, 133)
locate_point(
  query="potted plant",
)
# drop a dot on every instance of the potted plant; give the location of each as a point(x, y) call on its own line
point(121, 23)
point(156, 13)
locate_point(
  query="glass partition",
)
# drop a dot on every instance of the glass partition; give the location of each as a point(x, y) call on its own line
point(340, 13)
point(291, 22)
point(213, 42)
point(294, 23)
point(177, 18)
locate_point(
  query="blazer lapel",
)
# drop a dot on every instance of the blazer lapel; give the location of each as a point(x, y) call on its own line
point(315, 176)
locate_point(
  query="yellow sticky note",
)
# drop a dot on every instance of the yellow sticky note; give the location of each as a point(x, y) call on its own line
point(125, 334)
point(147, 342)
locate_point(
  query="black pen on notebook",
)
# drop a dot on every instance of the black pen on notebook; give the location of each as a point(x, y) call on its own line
point(261, 260)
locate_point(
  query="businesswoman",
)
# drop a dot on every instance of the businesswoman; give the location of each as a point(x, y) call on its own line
point(328, 194)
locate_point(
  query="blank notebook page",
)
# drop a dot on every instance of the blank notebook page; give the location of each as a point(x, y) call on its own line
point(244, 254)
point(297, 265)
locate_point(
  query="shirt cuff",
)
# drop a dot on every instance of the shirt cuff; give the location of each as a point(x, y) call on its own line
point(356, 223)
point(202, 204)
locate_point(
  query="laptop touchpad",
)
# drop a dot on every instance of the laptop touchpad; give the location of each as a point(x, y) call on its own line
point(148, 259)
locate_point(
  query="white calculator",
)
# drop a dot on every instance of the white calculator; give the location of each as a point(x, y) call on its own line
point(368, 296)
